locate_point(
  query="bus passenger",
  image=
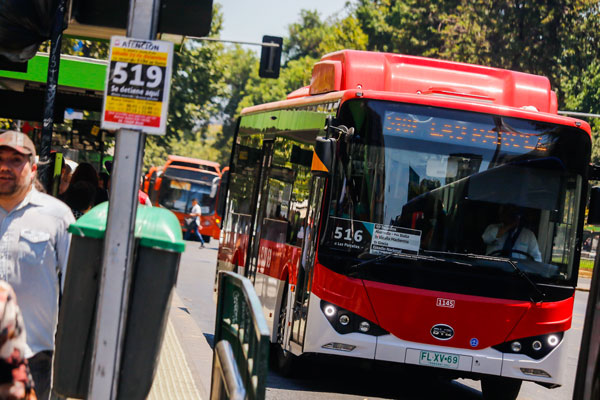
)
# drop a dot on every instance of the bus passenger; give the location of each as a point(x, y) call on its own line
point(510, 238)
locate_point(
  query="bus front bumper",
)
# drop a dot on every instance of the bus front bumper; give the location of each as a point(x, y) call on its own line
point(322, 338)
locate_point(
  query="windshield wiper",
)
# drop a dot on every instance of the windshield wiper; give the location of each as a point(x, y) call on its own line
point(355, 269)
point(528, 279)
point(518, 270)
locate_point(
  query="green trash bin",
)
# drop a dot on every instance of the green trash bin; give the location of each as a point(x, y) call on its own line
point(156, 260)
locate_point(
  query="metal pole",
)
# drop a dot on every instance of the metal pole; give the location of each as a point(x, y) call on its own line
point(44, 172)
point(578, 114)
point(263, 44)
point(119, 242)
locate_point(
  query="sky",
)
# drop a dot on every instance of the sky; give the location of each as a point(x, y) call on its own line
point(249, 20)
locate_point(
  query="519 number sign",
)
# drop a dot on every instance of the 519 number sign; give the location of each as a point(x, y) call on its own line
point(137, 87)
point(139, 75)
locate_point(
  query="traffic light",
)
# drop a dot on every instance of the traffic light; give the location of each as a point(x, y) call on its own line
point(270, 57)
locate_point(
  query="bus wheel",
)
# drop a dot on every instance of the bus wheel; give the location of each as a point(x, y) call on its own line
point(284, 360)
point(500, 388)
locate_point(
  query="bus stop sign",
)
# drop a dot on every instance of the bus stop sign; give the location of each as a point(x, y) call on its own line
point(137, 85)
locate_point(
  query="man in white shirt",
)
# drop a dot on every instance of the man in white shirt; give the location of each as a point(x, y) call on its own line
point(194, 227)
point(34, 247)
point(509, 238)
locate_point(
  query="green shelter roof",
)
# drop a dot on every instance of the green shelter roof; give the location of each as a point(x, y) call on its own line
point(76, 72)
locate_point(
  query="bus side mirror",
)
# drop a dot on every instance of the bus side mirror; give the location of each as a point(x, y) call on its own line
point(323, 156)
point(594, 207)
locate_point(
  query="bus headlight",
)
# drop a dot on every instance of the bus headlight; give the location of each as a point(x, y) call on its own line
point(553, 340)
point(344, 321)
point(535, 347)
point(364, 327)
point(329, 310)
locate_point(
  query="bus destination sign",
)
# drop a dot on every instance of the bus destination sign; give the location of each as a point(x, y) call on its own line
point(137, 85)
point(348, 234)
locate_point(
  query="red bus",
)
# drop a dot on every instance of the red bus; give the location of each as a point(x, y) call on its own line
point(413, 210)
point(181, 179)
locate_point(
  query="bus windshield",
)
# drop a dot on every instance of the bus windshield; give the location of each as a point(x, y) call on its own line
point(177, 195)
point(423, 181)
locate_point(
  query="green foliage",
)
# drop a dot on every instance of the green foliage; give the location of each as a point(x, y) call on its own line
point(586, 264)
point(583, 92)
point(312, 37)
point(240, 68)
point(409, 27)
point(213, 83)
point(197, 84)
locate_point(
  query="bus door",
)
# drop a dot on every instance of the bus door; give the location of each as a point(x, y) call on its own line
point(259, 206)
point(305, 269)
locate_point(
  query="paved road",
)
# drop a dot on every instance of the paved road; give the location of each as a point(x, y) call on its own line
point(342, 381)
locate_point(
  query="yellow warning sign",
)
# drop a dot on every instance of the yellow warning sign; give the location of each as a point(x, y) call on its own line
point(133, 106)
point(137, 85)
point(133, 56)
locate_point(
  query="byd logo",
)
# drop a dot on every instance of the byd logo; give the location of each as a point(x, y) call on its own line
point(445, 303)
point(442, 332)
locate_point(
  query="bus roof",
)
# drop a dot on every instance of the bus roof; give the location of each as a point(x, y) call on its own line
point(349, 69)
point(188, 162)
point(387, 75)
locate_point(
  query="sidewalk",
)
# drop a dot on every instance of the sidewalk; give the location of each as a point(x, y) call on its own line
point(584, 281)
point(173, 379)
point(185, 363)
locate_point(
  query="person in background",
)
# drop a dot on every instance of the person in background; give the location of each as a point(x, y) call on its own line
point(194, 224)
point(86, 172)
point(15, 379)
point(103, 179)
point(34, 247)
point(65, 179)
point(80, 198)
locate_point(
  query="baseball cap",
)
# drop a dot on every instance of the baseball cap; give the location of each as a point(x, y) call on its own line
point(19, 142)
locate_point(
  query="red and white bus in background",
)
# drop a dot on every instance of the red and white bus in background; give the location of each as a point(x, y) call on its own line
point(362, 208)
point(181, 179)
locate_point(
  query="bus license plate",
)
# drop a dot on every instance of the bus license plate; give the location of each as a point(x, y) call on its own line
point(440, 360)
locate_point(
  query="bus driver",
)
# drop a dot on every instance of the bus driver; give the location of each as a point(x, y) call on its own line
point(510, 238)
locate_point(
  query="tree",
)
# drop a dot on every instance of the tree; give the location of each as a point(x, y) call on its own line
point(409, 27)
point(240, 67)
point(312, 37)
point(197, 85)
